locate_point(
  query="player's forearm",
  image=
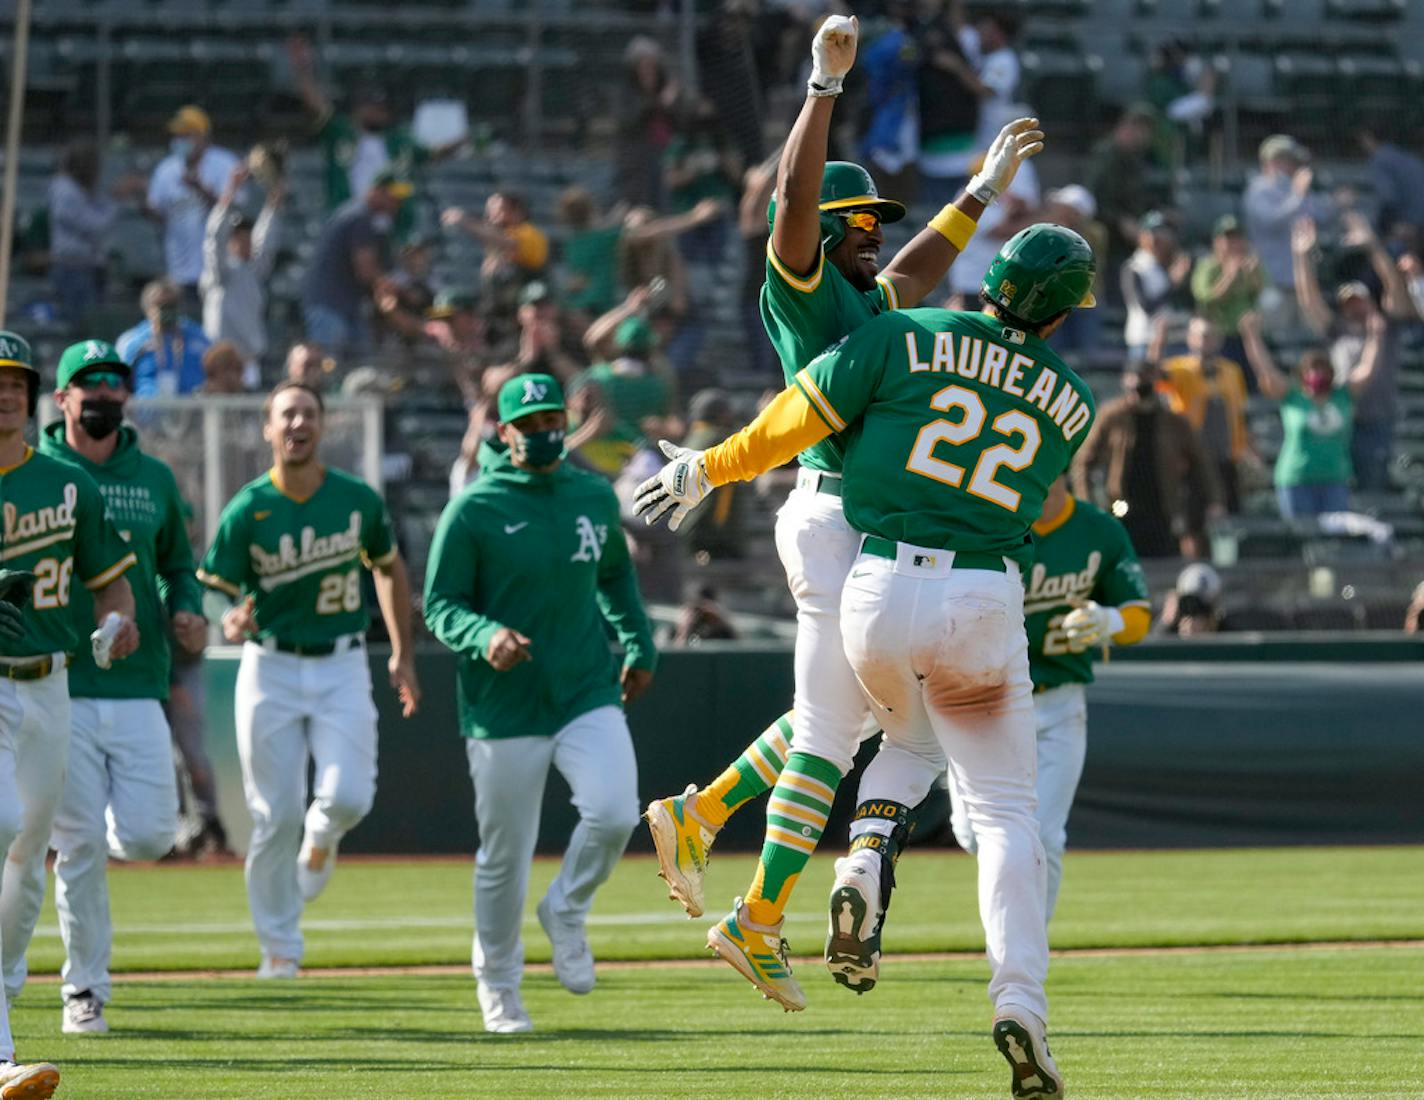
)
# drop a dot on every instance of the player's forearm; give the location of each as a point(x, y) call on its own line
point(1135, 622)
point(393, 596)
point(796, 236)
point(920, 265)
point(781, 431)
point(622, 608)
point(216, 603)
point(116, 596)
point(181, 591)
point(457, 625)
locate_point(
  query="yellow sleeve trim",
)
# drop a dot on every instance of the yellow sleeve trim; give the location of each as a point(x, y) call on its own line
point(804, 283)
point(820, 401)
point(891, 294)
point(1136, 618)
point(384, 560)
point(118, 569)
point(781, 431)
point(212, 580)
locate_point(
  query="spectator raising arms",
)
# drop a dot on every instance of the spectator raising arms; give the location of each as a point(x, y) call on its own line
point(1227, 283)
point(165, 349)
point(1152, 281)
point(79, 222)
point(1313, 469)
point(238, 254)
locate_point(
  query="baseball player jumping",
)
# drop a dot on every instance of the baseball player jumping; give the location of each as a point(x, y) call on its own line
point(963, 422)
point(822, 281)
point(1085, 588)
point(120, 794)
point(285, 574)
point(55, 528)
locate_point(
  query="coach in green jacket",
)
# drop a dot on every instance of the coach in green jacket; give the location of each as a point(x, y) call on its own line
point(526, 566)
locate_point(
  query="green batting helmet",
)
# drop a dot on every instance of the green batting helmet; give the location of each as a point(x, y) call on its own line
point(1041, 271)
point(15, 352)
point(845, 187)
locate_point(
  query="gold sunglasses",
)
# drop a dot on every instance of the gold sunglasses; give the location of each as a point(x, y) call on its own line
point(866, 220)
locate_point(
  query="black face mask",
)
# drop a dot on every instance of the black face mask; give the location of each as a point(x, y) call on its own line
point(100, 418)
point(1145, 388)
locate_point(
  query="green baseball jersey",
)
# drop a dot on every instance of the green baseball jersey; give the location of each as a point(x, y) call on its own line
point(960, 426)
point(804, 315)
point(1086, 556)
point(56, 527)
point(301, 560)
point(144, 504)
point(542, 554)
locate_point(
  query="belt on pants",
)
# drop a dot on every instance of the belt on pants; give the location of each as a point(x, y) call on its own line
point(312, 649)
point(820, 482)
point(33, 670)
point(878, 547)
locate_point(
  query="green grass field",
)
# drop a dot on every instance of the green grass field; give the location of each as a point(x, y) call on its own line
point(1215, 1025)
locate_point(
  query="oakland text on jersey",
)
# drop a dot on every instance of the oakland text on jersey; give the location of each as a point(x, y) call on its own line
point(42, 527)
point(1043, 592)
point(317, 552)
point(985, 361)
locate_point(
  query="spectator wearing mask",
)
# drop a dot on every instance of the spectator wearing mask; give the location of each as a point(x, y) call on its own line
point(1227, 283)
point(1274, 199)
point(1119, 171)
point(182, 190)
point(1152, 282)
point(238, 254)
point(1397, 178)
point(1156, 476)
point(1210, 391)
point(1193, 607)
point(1317, 414)
point(1075, 208)
point(165, 349)
point(543, 347)
point(1347, 328)
point(348, 265)
point(79, 222)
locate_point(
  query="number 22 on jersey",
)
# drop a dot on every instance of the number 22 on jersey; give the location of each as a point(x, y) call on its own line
point(969, 427)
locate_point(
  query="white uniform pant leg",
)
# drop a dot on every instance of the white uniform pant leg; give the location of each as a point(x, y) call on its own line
point(508, 775)
point(945, 648)
point(43, 752)
point(1061, 715)
point(120, 801)
point(11, 820)
point(272, 748)
point(343, 744)
point(817, 546)
point(594, 754)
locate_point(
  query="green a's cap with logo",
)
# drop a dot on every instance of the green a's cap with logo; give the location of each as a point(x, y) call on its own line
point(88, 355)
point(529, 393)
point(15, 351)
point(450, 302)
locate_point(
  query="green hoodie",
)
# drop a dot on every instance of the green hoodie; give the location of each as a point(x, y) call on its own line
point(545, 555)
point(143, 502)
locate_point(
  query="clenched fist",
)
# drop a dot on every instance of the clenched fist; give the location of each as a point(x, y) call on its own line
point(832, 55)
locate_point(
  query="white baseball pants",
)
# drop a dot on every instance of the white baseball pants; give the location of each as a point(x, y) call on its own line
point(290, 709)
point(817, 546)
point(120, 800)
point(34, 744)
point(1061, 717)
point(942, 656)
point(594, 754)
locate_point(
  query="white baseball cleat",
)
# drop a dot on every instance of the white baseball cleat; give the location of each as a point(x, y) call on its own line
point(1021, 1040)
point(33, 1082)
point(280, 969)
point(84, 1015)
point(503, 1010)
point(853, 940)
point(573, 959)
point(314, 867)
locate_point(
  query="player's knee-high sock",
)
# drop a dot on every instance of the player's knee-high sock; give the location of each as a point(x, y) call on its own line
point(795, 818)
point(755, 771)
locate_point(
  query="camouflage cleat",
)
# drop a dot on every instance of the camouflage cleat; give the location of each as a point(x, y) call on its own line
point(1021, 1040)
point(853, 941)
point(683, 843)
point(758, 953)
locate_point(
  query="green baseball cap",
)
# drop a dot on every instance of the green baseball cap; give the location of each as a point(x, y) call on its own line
point(450, 302)
point(529, 393)
point(15, 351)
point(635, 335)
point(88, 355)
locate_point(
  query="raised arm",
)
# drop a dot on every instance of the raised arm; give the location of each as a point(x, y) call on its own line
point(1364, 370)
point(1272, 382)
point(304, 69)
point(265, 234)
point(1395, 298)
point(1307, 281)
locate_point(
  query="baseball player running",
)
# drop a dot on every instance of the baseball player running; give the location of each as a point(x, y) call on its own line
point(56, 529)
point(120, 794)
point(1085, 588)
point(822, 282)
point(285, 574)
point(527, 565)
point(963, 422)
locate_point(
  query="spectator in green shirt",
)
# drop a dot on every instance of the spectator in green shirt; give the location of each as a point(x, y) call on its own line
point(1227, 283)
point(700, 164)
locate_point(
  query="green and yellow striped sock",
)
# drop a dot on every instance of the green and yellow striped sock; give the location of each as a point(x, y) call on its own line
point(750, 774)
point(795, 818)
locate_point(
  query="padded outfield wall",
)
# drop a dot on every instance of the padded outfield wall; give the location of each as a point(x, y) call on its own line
point(1237, 742)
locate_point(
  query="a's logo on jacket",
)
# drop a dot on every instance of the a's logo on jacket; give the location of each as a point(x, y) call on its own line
point(591, 539)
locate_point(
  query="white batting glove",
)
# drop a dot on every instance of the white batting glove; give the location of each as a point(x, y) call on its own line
point(1016, 142)
point(1090, 625)
point(832, 55)
point(678, 487)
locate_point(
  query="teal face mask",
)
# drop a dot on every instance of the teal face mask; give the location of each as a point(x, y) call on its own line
point(539, 449)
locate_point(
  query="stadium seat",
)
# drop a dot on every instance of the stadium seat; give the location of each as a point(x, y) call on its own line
point(1328, 615)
